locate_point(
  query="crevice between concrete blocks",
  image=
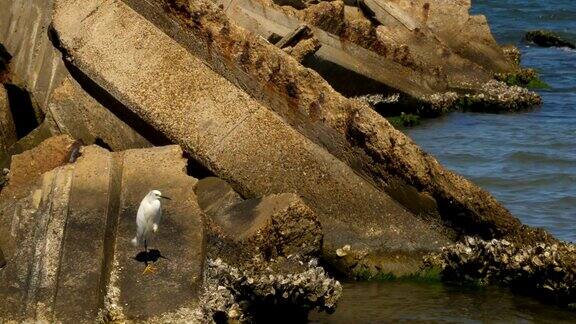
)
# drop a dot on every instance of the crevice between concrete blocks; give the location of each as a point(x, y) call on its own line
point(112, 219)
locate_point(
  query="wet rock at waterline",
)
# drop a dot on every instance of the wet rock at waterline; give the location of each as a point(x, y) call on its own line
point(545, 270)
point(546, 38)
point(286, 288)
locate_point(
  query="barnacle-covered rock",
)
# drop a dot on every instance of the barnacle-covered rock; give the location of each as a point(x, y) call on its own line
point(497, 96)
point(543, 269)
point(285, 286)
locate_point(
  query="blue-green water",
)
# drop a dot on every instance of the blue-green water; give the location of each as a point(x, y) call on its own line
point(526, 160)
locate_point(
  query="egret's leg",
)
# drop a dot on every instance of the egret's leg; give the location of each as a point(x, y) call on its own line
point(149, 268)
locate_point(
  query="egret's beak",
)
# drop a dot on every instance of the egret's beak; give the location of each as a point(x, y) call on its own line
point(165, 197)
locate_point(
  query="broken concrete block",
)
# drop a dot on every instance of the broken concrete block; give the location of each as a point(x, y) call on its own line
point(34, 223)
point(81, 116)
point(216, 197)
point(69, 257)
point(7, 128)
point(179, 241)
point(29, 142)
point(24, 31)
point(29, 165)
point(304, 49)
point(237, 137)
point(275, 225)
point(350, 131)
point(83, 256)
point(292, 38)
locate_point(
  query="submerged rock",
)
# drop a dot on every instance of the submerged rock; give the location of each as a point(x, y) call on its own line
point(546, 270)
point(546, 38)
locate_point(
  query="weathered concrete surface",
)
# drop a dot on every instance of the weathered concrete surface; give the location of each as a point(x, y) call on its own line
point(468, 36)
point(35, 65)
point(28, 282)
point(180, 238)
point(234, 135)
point(349, 130)
point(79, 115)
point(32, 210)
point(28, 142)
point(7, 129)
point(66, 237)
point(350, 68)
point(29, 165)
point(80, 277)
point(275, 225)
point(419, 48)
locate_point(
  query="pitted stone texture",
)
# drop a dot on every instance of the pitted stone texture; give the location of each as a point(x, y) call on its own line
point(232, 134)
point(180, 237)
point(78, 114)
point(29, 165)
point(35, 65)
point(34, 224)
point(275, 225)
point(68, 251)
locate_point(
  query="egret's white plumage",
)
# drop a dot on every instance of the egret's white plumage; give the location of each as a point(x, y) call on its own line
point(148, 218)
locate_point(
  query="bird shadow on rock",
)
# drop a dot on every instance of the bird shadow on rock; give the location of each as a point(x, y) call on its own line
point(152, 255)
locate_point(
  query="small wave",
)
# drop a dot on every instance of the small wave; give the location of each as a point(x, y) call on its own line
point(533, 157)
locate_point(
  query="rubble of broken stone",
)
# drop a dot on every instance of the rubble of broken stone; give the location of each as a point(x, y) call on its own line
point(408, 42)
point(282, 287)
point(546, 270)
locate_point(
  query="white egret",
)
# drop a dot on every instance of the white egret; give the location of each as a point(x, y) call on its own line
point(147, 221)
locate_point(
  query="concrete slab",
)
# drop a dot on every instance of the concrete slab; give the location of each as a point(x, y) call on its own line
point(81, 116)
point(179, 241)
point(234, 135)
point(67, 239)
point(81, 279)
point(275, 225)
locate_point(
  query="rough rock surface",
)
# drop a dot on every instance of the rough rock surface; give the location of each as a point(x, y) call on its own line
point(405, 45)
point(548, 39)
point(351, 131)
point(35, 65)
point(275, 225)
point(66, 236)
point(544, 270)
point(7, 128)
point(29, 165)
point(234, 135)
point(264, 292)
point(81, 116)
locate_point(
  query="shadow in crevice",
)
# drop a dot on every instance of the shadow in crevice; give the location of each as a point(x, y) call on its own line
point(152, 255)
point(22, 109)
point(5, 58)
